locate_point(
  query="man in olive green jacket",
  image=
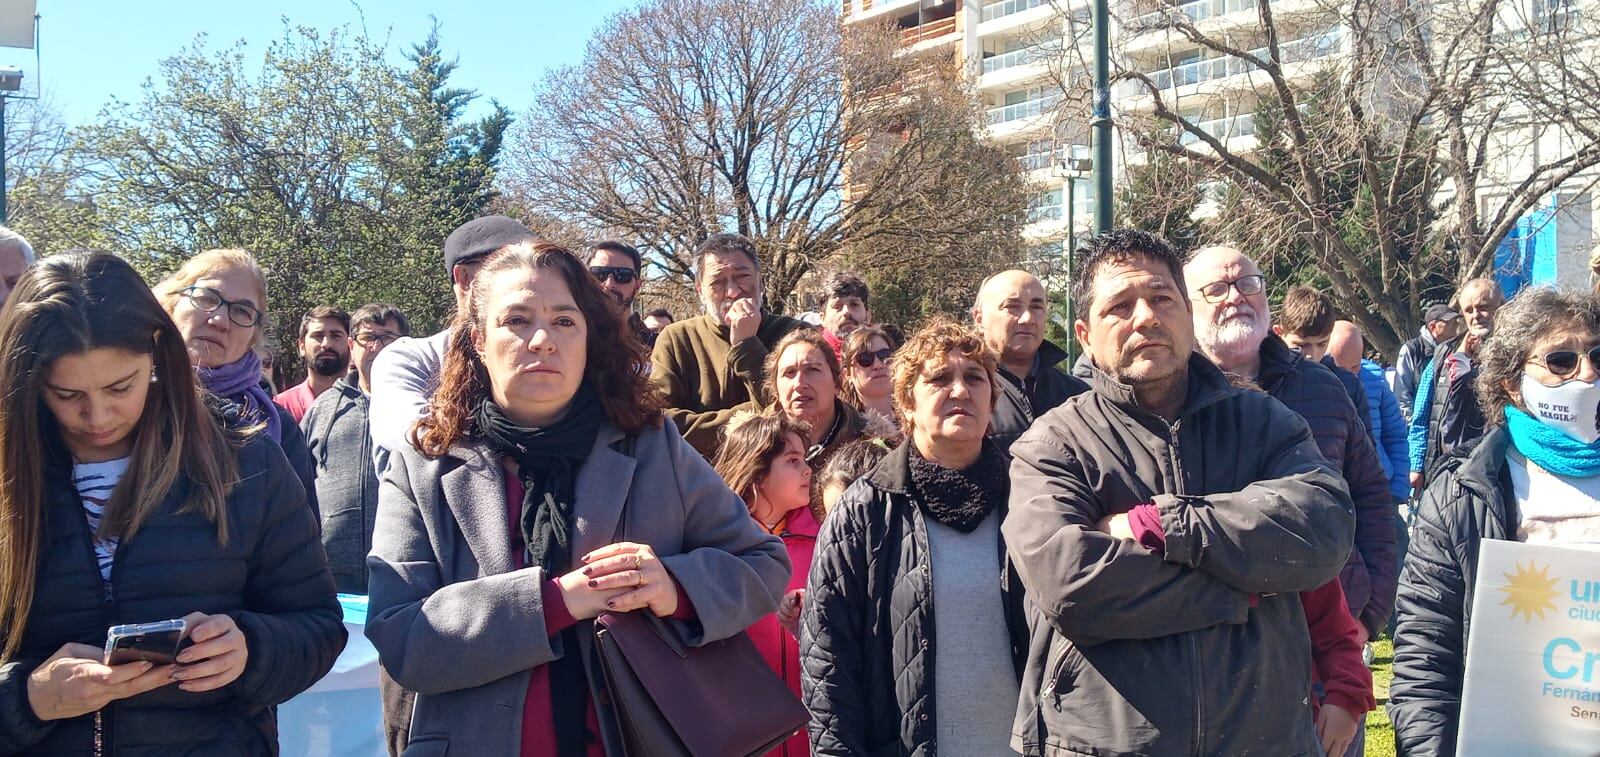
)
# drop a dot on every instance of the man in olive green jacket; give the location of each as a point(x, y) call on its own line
point(711, 366)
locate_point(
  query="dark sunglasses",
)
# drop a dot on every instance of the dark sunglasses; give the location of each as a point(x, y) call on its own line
point(620, 274)
point(866, 359)
point(207, 300)
point(1564, 363)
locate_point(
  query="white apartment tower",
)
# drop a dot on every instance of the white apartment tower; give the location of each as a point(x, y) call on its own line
point(1018, 54)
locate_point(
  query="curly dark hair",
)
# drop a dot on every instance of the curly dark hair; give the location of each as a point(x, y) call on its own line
point(1120, 246)
point(1530, 315)
point(844, 284)
point(614, 353)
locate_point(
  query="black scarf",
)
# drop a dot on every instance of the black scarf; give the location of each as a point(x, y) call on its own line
point(960, 499)
point(547, 464)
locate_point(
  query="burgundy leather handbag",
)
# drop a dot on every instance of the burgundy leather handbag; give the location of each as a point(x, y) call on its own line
point(716, 700)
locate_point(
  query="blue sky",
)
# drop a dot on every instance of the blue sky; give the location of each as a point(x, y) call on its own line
point(92, 50)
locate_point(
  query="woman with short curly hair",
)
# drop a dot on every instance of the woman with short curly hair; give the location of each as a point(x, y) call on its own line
point(1534, 478)
point(911, 553)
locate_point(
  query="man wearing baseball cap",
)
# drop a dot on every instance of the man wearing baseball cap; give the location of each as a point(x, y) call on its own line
point(404, 374)
point(403, 379)
point(1439, 325)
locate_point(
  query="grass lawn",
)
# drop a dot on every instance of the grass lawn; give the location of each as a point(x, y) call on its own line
point(1380, 734)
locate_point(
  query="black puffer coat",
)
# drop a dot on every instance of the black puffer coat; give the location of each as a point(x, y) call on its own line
point(1313, 392)
point(271, 577)
point(1016, 409)
point(1469, 500)
point(866, 634)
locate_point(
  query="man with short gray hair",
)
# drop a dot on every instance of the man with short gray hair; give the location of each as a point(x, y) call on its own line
point(15, 257)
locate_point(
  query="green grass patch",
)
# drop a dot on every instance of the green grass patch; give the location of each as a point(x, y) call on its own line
point(1380, 732)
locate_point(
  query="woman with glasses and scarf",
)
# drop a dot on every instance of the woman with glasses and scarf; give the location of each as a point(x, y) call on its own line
point(218, 299)
point(1534, 478)
point(542, 489)
point(868, 353)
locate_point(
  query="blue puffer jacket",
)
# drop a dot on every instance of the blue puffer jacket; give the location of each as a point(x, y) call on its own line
point(1388, 429)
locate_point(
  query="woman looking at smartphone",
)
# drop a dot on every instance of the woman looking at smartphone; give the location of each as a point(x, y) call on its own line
point(126, 501)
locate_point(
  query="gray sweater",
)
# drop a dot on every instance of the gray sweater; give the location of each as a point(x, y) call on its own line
point(975, 694)
point(347, 486)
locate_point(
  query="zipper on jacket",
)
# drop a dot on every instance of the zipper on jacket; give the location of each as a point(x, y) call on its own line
point(1197, 674)
point(107, 611)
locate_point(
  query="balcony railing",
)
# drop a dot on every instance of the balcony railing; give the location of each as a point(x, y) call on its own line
point(930, 30)
point(1037, 161)
point(1045, 213)
point(1197, 11)
point(998, 10)
point(1224, 129)
point(1195, 72)
point(1023, 109)
point(1021, 57)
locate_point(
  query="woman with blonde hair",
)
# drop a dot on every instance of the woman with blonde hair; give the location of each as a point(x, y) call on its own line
point(218, 299)
point(126, 500)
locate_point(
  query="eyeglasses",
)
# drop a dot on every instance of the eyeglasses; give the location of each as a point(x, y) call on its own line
point(866, 359)
point(1217, 291)
point(620, 274)
point(206, 299)
point(370, 339)
point(1564, 363)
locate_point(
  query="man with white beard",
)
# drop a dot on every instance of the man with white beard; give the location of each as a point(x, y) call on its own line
point(1233, 327)
point(711, 367)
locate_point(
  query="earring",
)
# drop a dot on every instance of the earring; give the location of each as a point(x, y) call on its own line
point(154, 379)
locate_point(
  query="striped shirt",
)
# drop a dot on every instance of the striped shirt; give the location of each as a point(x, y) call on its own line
point(94, 482)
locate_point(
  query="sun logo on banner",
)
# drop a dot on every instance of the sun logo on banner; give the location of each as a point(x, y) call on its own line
point(1530, 591)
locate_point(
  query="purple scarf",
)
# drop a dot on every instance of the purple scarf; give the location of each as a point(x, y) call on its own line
point(240, 382)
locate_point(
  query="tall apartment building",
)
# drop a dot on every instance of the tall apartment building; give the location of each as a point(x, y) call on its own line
point(1018, 53)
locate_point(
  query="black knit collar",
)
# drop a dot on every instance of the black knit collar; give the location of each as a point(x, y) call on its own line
point(960, 499)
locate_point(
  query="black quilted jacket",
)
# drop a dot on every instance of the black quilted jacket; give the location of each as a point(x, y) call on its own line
point(1468, 501)
point(1316, 394)
point(271, 577)
point(867, 629)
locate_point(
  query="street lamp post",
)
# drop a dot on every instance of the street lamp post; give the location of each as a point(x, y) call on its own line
point(1101, 122)
point(10, 83)
point(1072, 170)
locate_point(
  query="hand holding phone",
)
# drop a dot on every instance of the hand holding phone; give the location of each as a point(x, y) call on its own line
point(157, 643)
point(75, 682)
point(216, 655)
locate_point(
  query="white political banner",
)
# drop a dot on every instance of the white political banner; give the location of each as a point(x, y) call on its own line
point(1532, 683)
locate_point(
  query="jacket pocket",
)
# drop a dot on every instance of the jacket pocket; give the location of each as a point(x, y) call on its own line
point(1056, 681)
point(1088, 705)
point(427, 746)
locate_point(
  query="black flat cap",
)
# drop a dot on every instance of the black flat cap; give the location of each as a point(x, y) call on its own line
point(481, 236)
point(1439, 312)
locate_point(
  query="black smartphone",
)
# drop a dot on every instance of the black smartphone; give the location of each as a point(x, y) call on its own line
point(157, 642)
